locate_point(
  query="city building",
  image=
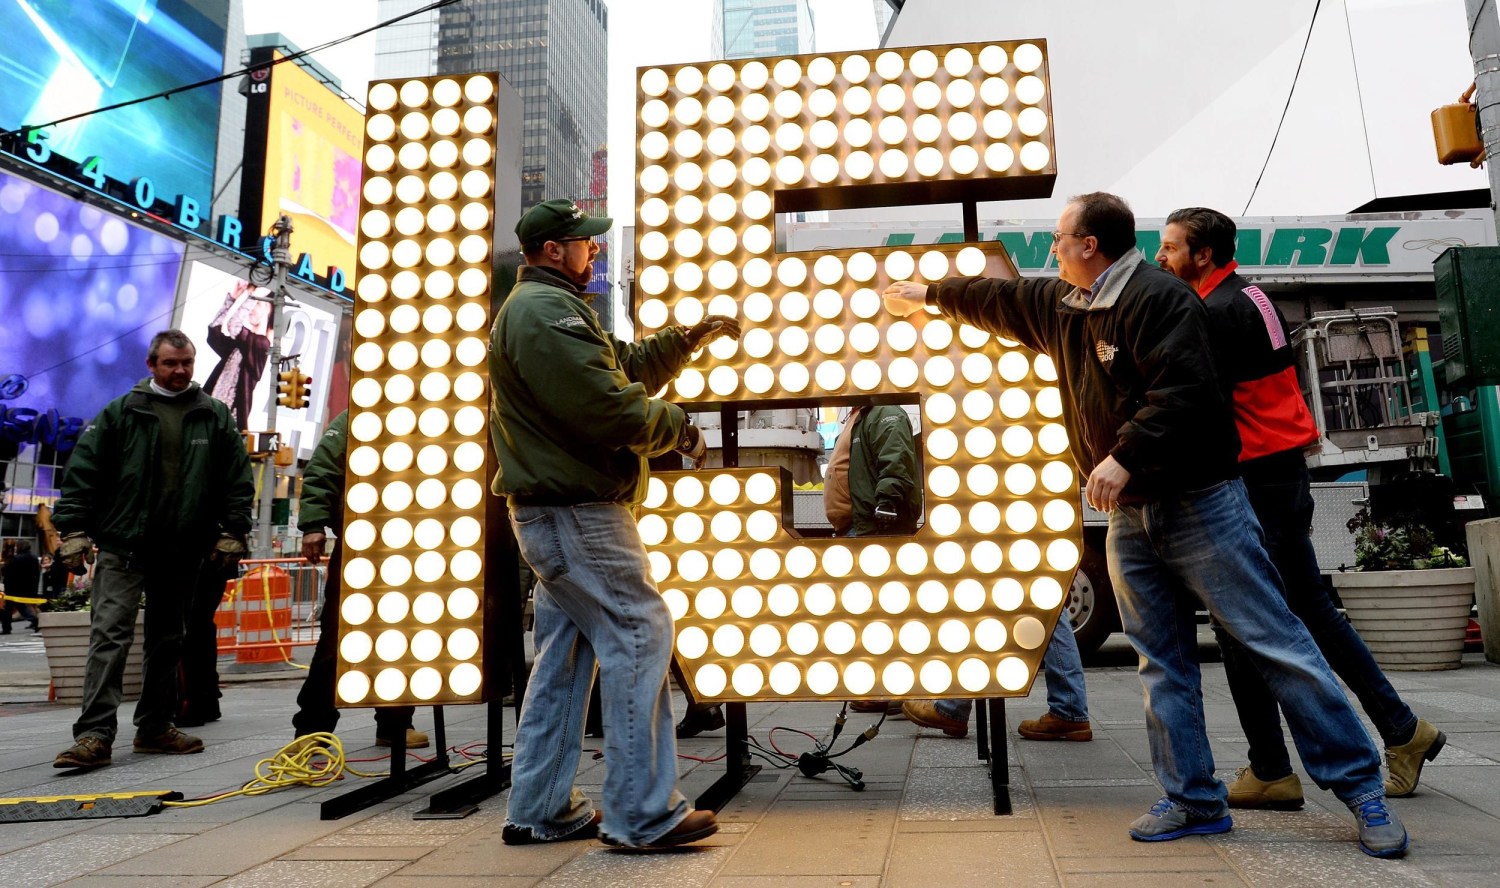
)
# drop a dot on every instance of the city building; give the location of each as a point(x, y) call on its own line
point(408, 48)
point(750, 28)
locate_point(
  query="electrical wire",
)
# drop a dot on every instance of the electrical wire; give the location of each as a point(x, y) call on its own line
point(168, 93)
point(1291, 92)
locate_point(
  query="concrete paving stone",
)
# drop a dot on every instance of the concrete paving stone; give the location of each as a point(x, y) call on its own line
point(999, 823)
point(1094, 820)
point(1060, 760)
point(27, 833)
point(947, 752)
point(1287, 826)
point(138, 882)
point(1454, 756)
point(72, 856)
point(1167, 879)
point(992, 858)
point(483, 855)
point(323, 873)
point(1319, 864)
point(961, 794)
point(838, 881)
point(602, 868)
point(1457, 702)
point(426, 841)
point(1095, 781)
point(401, 881)
point(394, 848)
point(852, 835)
point(1207, 861)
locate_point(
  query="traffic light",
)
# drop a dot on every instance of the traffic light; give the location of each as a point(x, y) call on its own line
point(304, 390)
point(1456, 134)
point(286, 388)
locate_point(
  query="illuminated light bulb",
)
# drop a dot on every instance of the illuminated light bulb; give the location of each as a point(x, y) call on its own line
point(758, 342)
point(469, 387)
point(829, 340)
point(889, 65)
point(960, 93)
point(911, 558)
point(689, 80)
point(426, 683)
point(914, 637)
point(969, 595)
point(944, 520)
point(722, 174)
point(801, 562)
point(688, 243)
point(375, 224)
point(354, 687)
point(693, 566)
point(390, 683)
point(964, 160)
point(478, 153)
point(973, 337)
point(414, 126)
point(792, 272)
point(374, 254)
point(958, 62)
point(801, 638)
point(1014, 403)
point(898, 678)
point(365, 426)
point(789, 136)
point(890, 98)
point(1053, 439)
point(467, 493)
point(439, 285)
point(1045, 369)
point(788, 104)
point(1020, 479)
point(765, 564)
point(933, 265)
point(1046, 593)
point(378, 190)
point(759, 378)
point(687, 144)
point(979, 443)
point(839, 638)
point(447, 92)
point(687, 527)
point(785, 678)
point(356, 647)
point(380, 158)
point(688, 176)
point(382, 96)
point(949, 557)
point(361, 498)
point(943, 481)
point(1062, 555)
point(397, 457)
point(653, 245)
point(984, 518)
point(479, 88)
point(479, 120)
point(865, 375)
point(936, 676)
point(790, 170)
point(723, 381)
point(1016, 441)
point(757, 238)
point(653, 180)
point(1031, 121)
point(441, 218)
point(721, 142)
point(369, 323)
point(990, 635)
point(676, 603)
point(470, 352)
point(1035, 156)
point(428, 534)
point(942, 444)
point(687, 492)
point(442, 186)
point(822, 678)
point(793, 377)
point(765, 641)
point(899, 266)
point(819, 599)
point(430, 567)
point(865, 303)
point(858, 132)
point(465, 679)
point(359, 535)
point(992, 59)
point(940, 408)
point(1008, 594)
point(859, 165)
point(406, 253)
point(692, 642)
point(1012, 673)
point(938, 371)
point(396, 496)
point(977, 368)
point(864, 338)
point(927, 95)
point(728, 640)
point(720, 77)
point(1024, 555)
point(747, 679)
point(653, 529)
point(654, 279)
point(1013, 366)
point(688, 111)
point(999, 157)
point(782, 600)
point(822, 103)
point(760, 489)
point(1058, 515)
point(877, 638)
point(973, 674)
point(892, 130)
point(856, 101)
point(755, 107)
point(927, 128)
point(758, 306)
point(1028, 57)
point(465, 531)
point(924, 63)
point(855, 68)
point(754, 74)
point(463, 603)
point(440, 252)
point(824, 168)
point(903, 373)
point(359, 573)
point(787, 73)
point(838, 561)
point(932, 596)
point(793, 342)
point(1028, 633)
point(357, 609)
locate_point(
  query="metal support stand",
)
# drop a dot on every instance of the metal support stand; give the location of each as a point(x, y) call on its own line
point(989, 717)
point(399, 781)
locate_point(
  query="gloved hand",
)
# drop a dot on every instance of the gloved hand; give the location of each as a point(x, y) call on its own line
point(76, 551)
point(693, 446)
point(711, 328)
point(312, 546)
point(228, 551)
point(886, 518)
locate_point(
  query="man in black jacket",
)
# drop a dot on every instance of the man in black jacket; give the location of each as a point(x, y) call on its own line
point(23, 574)
point(1152, 432)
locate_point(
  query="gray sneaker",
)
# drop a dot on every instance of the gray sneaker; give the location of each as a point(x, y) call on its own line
point(1380, 831)
point(1167, 820)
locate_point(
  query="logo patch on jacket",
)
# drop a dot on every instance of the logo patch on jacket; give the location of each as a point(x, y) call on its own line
point(572, 321)
point(1105, 351)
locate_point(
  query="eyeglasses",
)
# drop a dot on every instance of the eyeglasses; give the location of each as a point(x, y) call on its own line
point(569, 240)
point(1059, 235)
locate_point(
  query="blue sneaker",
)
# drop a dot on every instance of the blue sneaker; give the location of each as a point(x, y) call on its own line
point(1380, 831)
point(1167, 820)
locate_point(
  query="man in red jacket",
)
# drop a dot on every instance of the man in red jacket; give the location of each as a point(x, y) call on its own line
point(1257, 368)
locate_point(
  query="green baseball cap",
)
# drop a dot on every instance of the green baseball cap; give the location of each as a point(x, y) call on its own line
point(556, 219)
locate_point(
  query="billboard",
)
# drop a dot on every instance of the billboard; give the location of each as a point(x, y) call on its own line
point(63, 57)
point(81, 293)
point(311, 164)
point(229, 320)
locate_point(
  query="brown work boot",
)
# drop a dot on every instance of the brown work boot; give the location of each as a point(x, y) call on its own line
point(1249, 791)
point(877, 707)
point(1405, 761)
point(695, 826)
point(415, 739)
point(86, 752)
point(168, 742)
point(1050, 727)
point(926, 714)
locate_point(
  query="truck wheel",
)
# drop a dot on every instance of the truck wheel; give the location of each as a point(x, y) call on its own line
point(1091, 602)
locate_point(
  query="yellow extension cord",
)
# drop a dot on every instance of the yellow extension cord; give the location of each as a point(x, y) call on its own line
point(265, 587)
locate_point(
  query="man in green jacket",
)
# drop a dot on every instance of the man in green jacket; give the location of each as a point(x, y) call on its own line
point(321, 506)
point(159, 480)
point(573, 423)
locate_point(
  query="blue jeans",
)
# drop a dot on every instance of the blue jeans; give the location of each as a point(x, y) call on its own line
point(1282, 500)
point(1206, 547)
point(596, 610)
point(1067, 697)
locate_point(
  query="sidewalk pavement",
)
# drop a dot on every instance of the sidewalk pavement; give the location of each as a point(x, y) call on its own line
point(924, 820)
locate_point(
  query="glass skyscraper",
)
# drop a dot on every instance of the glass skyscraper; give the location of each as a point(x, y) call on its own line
point(749, 28)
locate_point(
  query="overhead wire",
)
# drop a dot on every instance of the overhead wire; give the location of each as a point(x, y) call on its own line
point(1317, 5)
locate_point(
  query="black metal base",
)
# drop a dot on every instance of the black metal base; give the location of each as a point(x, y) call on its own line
point(992, 749)
point(738, 770)
point(461, 800)
point(387, 788)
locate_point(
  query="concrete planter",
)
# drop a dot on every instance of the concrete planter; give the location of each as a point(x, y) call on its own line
point(1412, 620)
point(66, 638)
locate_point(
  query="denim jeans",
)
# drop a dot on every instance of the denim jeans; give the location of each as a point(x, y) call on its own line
point(1282, 500)
point(1205, 547)
point(1062, 665)
point(167, 584)
point(596, 610)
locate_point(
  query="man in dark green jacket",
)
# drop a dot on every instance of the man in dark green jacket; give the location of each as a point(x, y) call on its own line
point(871, 487)
point(159, 480)
point(573, 423)
point(321, 506)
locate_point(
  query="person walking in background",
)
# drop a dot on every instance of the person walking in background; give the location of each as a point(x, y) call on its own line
point(1258, 372)
point(320, 507)
point(1151, 430)
point(160, 480)
point(22, 575)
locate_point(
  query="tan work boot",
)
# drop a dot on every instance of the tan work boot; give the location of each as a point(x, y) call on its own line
point(1405, 761)
point(926, 714)
point(86, 752)
point(1051, 727)
point(876, 707)
point(415, 739)
point(168, 742)
point(1249, 791)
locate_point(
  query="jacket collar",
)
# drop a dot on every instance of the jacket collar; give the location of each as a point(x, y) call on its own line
point(1115, 279)
point(1212, 282)
point(141, 395)
point(542, 274)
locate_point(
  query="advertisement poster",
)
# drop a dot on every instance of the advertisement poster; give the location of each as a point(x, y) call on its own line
point(63, 57)
point(82, 291)
point(228, 318)
point(313, 169)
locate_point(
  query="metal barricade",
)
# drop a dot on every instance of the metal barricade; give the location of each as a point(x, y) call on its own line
point(269, 610)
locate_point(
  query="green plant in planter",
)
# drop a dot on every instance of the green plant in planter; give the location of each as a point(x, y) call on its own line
point(75, 597)
point(1398, 544)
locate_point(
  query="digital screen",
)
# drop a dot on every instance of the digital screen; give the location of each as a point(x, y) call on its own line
point(82, 291)
point(63, 57)
point(313, 168)
point(229, 320)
